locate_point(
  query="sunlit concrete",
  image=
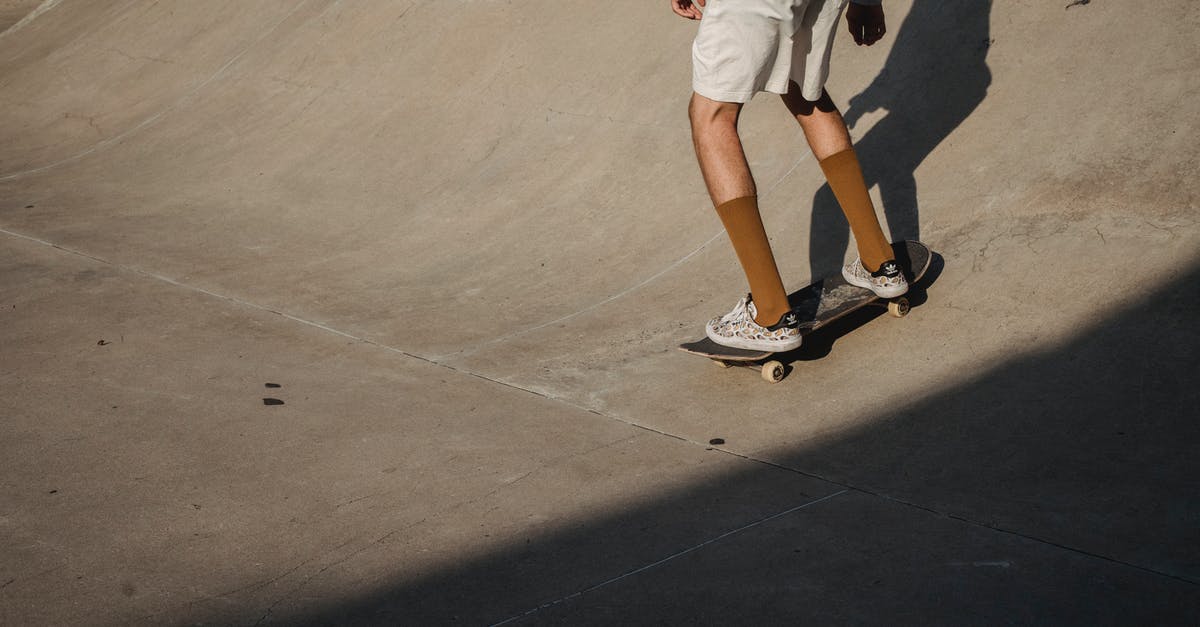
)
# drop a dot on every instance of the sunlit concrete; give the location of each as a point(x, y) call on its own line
point(465, 238)
point(12, 12)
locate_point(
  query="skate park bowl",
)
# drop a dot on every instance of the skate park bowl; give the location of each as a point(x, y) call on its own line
point(330, 312)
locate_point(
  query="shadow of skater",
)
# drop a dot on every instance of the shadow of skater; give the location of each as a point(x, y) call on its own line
point(934, 77)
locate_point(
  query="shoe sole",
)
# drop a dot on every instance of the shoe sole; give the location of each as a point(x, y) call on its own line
point(750, 345)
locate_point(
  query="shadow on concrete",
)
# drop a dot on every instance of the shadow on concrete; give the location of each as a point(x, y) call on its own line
point(820, 343)
point(936, 75)
point(1058, 486)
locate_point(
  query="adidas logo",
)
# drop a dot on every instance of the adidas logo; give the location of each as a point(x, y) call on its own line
point(888, 269)
point(790, 319)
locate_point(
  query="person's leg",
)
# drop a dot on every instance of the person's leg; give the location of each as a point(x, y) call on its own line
point(719, 149)
point(830, 143)
point(731, 186)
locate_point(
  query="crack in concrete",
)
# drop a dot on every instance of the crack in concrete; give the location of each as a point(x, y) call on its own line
point(1169, 229)
point(141, 57)
point(607, 118)
point(357, 499)
point(300, 586)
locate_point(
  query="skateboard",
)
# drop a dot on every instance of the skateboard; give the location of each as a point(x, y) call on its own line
point(818, 305)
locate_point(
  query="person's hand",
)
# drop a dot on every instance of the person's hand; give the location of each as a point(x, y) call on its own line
point(687, 8)
point(856, 109)
point(866, 23)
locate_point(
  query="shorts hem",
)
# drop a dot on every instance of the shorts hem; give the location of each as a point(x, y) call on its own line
point(741, 97)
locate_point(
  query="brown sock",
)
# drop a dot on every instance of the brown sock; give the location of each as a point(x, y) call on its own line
point(744, 225)
point(846, 180)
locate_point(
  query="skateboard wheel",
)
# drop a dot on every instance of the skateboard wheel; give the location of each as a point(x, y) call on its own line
point(721, 363)
point(773, 372)
point(898, 308)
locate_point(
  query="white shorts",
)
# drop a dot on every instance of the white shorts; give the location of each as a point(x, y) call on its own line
point(747, 46)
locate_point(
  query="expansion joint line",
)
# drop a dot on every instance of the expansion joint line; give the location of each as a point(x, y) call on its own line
point(963, 519)
point(669, 558)
point(323, 327)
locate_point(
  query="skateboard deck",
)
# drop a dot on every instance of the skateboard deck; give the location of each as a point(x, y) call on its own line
point(818, 305)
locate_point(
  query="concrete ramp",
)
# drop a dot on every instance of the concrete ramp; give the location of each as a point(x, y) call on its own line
point(461, 239)
point(416, 157)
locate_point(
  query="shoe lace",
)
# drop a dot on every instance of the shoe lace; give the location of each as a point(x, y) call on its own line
point(739, 313)
point(859, 270)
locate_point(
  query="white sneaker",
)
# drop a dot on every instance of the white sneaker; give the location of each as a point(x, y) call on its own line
point(738, 329)
point(887, 282)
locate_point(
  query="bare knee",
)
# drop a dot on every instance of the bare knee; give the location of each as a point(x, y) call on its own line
point(706, 114)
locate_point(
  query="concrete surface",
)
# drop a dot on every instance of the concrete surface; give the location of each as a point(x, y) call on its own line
point(463, 238)
point(14, 11)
